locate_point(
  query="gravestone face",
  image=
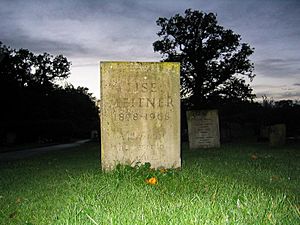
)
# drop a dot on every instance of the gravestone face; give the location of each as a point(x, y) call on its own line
point(277, 134)
point(140, 114)
point(203, 129)
point(265, 132)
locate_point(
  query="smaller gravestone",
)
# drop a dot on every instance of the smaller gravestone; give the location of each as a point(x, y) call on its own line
point(264, 132)
point(277, 134)
point(94, 135)
point(203, 129)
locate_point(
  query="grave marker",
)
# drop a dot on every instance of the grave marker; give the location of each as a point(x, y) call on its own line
point(277, 134)
point(203, 129)
point(140, 114)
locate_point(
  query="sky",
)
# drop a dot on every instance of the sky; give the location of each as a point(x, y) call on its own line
point(90, 31)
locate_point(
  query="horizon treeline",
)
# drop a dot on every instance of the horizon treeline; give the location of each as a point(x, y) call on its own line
point(34, 108)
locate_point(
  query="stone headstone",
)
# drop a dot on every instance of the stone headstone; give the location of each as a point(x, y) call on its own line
point(264, 132)
point(277, 134)
point(140, 114)
point(203, 129)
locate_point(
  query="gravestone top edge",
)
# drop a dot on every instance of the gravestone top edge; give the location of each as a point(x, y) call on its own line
point(138, 62)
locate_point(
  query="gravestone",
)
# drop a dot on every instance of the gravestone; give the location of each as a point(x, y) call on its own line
point(277, 134)
point(203, 129)
point(264, 132)
point(140, 114)
point(94, 135)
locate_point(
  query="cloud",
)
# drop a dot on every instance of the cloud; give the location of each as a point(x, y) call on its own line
point(85, 65)
point(278, 92)
point(278, 68)
point(279, 95)
point(291, 95)
point(296, 84)
point(267, 86)
point(89, 31)
point(50, 46)
point(114, 28)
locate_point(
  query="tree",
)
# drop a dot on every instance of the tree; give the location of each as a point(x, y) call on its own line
point(25, 69)
point(27, 79)
point(78, 106)
point(213, 61)
point(34, 107)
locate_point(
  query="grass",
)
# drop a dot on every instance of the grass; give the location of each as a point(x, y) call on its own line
point(236, 184)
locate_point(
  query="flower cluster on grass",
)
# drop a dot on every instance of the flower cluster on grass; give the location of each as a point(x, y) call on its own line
point(152, 181)
point(154, 175)
point(150, 176)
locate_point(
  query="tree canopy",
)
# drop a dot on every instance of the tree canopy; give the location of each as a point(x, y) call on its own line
point(214, 62)
point(25, 69)
point(33, 105)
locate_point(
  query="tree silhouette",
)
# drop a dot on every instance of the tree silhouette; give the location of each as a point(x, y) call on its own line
point(29, 70)
point(213, 61)
point(34, 107)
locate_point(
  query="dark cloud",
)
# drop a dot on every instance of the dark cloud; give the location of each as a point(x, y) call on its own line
point(278, 68)
point(52, 47)
point(296, 84)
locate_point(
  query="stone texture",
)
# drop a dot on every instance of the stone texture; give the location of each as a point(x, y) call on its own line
point(140, 114)
point(203, 129)
point(277, 134)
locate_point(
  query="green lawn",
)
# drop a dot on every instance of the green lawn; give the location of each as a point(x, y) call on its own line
point(216, 186)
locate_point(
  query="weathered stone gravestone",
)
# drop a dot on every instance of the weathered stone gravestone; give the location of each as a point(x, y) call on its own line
point(277, 134)
point(203, 129)
point(140, 114)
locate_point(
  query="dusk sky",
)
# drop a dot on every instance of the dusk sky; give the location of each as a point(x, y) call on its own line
point(87, 32)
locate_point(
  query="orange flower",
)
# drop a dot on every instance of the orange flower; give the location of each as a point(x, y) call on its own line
point(152, 181)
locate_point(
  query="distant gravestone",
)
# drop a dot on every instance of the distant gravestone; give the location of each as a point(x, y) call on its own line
point(203, 129)
point(264, 132)
point(277, 134)
point(140, 114)
point(94, 135)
